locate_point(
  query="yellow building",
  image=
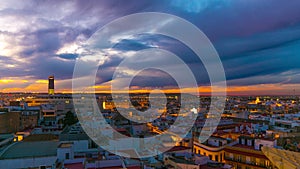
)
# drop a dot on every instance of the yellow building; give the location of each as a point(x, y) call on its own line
point(213, 148)
point(108, 105)
point(244, 153)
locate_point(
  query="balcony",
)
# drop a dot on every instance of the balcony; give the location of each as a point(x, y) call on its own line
point(250, 163)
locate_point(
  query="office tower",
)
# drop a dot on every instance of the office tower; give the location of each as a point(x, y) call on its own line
point(51, 85)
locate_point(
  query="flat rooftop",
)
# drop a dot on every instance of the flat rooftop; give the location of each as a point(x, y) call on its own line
point(65, 145)
point(31, 149)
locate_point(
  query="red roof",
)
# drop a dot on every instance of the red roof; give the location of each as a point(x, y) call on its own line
point(74, 166)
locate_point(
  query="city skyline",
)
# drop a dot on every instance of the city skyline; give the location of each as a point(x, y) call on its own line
point(259, 56)
point(139, 84)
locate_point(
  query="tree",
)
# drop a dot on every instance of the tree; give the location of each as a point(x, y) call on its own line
point(70, 119)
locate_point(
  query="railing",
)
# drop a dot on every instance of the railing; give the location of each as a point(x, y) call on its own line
point(215, 149)
point(245, 150)
point(252, 163)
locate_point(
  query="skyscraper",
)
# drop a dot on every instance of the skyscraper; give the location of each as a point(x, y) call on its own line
point(51, 85)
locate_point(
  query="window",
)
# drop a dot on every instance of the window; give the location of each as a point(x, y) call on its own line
point(249, 142)
point(216, 158)
point(210, 157)
point(248, 160)
point(199, 151)
point(239, 158)
point(220, 143)
point(231, 155)
point(257, 161)
point(67, 155)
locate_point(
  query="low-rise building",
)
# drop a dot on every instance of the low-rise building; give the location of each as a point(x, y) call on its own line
point(247, 154)
point(9, 122)
point(33, 154)
point(191, 161)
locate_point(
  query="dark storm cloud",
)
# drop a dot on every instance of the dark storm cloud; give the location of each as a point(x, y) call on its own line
point(49, 25)
point(267, 58)
point(52, 66)
point(131, 45)
point(267, 53)
point(153, 78)
point(48, 41)
point(69, 56)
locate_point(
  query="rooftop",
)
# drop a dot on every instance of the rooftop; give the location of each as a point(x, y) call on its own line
point(41, 137)
point(65, 145)
point(178, 148)
point(5, 136)
point(244, 146)
point(74, 166)
point(30, 150)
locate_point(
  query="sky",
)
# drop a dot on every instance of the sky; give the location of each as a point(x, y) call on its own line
point(258, 43)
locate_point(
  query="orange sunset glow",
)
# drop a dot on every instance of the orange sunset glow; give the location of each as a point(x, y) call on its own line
point(40, 86)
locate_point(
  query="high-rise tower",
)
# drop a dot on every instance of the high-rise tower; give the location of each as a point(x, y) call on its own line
point(51, 85)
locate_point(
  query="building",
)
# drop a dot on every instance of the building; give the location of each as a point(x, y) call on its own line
point(50, 121)
point(191, 161)
point(74, 134)
point(49, 114)
point(29, 119)
point(9, 122)
point(37, 100)
point(51, 85)
point(213, 148)
point(33, 154)
point(247, 154)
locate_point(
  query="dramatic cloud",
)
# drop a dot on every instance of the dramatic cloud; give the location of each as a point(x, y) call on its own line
point(258, 41)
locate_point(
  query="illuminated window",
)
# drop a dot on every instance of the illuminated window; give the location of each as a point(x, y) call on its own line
point(231, 155)
point(267, 162)
point(257, 161)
